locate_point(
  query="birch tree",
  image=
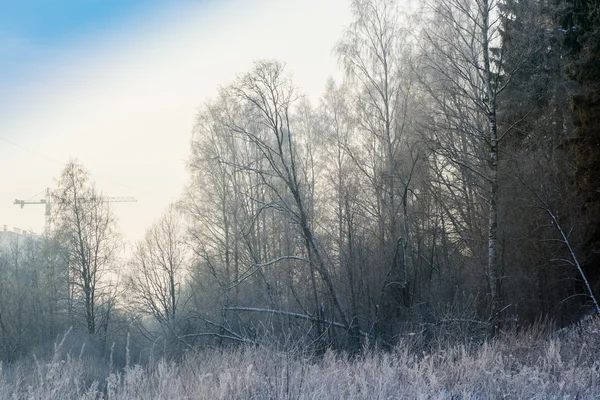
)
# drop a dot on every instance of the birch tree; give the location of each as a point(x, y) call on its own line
point(463, 67)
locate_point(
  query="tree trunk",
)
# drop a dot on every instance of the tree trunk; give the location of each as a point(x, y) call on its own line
point(492, 262)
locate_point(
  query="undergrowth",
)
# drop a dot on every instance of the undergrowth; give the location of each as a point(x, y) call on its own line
point(532, 363)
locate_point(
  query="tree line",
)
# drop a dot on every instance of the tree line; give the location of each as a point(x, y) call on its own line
point(447, 185)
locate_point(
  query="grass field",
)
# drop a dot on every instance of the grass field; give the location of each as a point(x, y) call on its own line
point(532, 364)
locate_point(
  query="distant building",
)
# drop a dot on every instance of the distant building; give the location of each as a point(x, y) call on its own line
point(18, 236)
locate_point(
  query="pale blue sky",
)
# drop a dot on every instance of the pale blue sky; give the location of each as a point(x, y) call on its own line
point(117, 84)
point(52, 21)
point(33, 33)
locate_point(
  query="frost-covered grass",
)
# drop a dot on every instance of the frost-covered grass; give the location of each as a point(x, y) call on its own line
point(528, 365)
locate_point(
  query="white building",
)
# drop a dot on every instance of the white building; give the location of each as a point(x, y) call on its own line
point(18, 236)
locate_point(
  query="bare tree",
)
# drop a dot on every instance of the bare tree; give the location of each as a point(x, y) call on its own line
point(464, 72)
point(268, 95)
point(376, 55)
point(85, 227)
point(234, 224)
point(572, 259)
point(159, 268)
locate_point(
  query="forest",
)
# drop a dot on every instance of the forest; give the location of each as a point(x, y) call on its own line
point(444, 193)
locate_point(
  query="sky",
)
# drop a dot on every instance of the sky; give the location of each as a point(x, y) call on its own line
point(116, 84)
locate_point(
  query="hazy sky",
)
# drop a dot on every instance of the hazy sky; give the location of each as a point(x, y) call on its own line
point(116, 84)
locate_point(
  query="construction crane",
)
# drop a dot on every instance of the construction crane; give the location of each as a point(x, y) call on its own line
point(48, 204)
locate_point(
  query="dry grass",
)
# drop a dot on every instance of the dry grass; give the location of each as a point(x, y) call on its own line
point(532, 364)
